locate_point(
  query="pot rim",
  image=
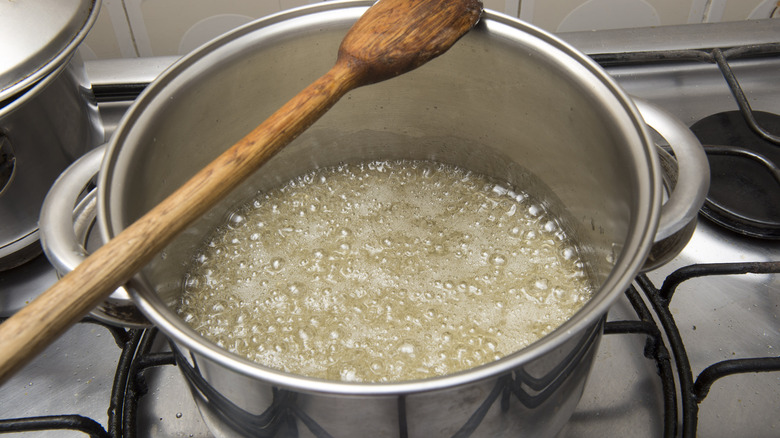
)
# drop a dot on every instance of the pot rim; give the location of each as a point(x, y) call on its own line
point(627, 263)
point(56, 55)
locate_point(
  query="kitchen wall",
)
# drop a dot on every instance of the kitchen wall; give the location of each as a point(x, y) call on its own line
point(133, 28)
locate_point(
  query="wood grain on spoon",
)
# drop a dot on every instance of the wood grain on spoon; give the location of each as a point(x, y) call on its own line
point(391, 38)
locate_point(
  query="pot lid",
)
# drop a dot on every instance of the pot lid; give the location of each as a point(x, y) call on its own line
point(37, 36)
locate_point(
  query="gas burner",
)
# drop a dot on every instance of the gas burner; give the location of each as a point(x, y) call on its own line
point(745, 187)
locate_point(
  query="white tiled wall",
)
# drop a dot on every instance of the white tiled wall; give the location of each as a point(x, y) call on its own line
point(132, 28)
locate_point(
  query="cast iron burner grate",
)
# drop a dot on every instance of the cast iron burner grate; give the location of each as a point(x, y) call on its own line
point(129, 386)
point(743, 147)
point(664, 346)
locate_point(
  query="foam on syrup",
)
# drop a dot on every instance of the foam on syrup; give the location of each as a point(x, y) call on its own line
point(384, 271)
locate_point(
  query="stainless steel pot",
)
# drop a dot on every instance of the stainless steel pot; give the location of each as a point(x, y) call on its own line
point(48, 114)
point(508, 100)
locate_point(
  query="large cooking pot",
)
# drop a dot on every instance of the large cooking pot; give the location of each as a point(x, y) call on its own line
point(48, 114)
point(508, 100)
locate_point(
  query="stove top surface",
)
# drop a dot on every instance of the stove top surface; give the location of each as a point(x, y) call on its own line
point(717, 317)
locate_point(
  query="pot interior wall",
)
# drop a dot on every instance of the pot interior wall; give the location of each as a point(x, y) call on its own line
point(501, 102)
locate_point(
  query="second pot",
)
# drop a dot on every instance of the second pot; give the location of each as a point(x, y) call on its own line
point(48, 113)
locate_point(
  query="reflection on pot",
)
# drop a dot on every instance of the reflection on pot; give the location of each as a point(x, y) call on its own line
point(7, 162)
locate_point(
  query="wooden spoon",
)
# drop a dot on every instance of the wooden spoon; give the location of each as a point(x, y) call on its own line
point(391, 38)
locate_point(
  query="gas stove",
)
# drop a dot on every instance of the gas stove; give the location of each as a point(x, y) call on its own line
point(690, 349)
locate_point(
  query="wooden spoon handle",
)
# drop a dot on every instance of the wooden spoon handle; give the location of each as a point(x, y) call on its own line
point(39, 323)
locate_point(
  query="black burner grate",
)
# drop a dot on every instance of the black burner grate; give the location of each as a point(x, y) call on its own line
point(692, 393)
point(742, 147)
point(128, 388)
point(656, 321)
